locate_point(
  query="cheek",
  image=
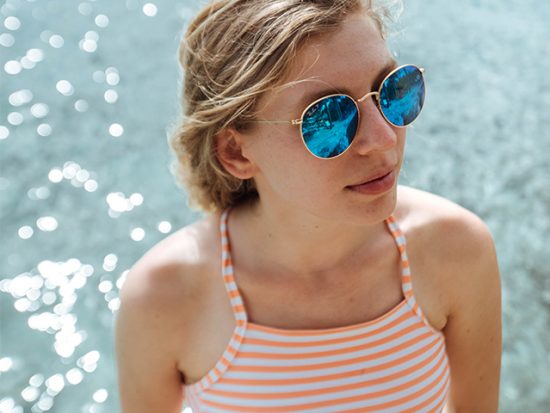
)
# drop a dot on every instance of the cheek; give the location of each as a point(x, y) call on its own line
point(291, 170)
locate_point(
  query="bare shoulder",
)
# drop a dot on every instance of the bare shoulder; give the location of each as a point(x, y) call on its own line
point(160, 303)
point(453, 229)
point(174, 265)
point(422, 208)
point(455, 238)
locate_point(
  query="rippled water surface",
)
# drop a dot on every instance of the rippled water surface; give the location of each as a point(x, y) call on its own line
point(87, 92)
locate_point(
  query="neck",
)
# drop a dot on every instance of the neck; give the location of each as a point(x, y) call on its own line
point(302, 245)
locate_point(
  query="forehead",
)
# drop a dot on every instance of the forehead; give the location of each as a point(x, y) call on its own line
point(350, 57)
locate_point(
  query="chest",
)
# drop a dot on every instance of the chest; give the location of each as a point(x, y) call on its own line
point(344, 299)
point(333, 300)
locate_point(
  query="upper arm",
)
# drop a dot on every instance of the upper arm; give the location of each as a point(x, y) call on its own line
point(473, 331)
point(148, 378)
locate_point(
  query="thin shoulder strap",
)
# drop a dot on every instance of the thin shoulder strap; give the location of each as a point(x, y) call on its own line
point(227, 273)
point(406, 279)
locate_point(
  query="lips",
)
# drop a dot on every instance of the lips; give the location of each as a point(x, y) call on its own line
point(376, 175)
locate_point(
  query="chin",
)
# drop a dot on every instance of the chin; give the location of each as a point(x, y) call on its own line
point(372, 208)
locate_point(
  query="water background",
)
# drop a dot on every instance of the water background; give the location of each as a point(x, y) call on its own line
point(87, 92)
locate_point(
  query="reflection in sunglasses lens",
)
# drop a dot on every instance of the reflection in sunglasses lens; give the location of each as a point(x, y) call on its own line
point(329, 126)
point(402, 96)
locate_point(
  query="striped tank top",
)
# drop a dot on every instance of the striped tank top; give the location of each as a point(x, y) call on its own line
point(394, 363)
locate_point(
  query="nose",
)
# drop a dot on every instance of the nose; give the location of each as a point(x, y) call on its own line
point(374, 132)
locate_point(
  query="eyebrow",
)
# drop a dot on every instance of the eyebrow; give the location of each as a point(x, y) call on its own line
point(312, 96)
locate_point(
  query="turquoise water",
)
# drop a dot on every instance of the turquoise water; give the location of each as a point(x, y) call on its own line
point(87, 92)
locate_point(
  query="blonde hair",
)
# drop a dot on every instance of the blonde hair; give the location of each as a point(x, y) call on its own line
point(232, 52)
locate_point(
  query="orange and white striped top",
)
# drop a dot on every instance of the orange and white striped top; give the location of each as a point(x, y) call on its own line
point(395, 363)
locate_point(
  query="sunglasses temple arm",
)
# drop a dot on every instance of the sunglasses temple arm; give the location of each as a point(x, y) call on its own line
point(292, 122)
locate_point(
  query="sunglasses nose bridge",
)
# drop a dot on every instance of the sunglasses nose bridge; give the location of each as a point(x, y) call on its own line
point(377, 98)
point(377, 121)
point(376, 94)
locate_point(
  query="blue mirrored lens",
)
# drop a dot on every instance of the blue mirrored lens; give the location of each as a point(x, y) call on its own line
point(402, 96)
point(329, 126)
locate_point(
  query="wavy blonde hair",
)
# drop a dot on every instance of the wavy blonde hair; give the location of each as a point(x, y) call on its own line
point(232, 52)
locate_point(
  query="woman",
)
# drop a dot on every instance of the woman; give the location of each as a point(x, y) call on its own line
point(311, 285)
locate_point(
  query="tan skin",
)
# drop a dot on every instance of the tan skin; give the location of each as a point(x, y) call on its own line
point(175, 319)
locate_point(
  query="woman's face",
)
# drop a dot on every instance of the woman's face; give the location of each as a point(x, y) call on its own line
point(353, 59)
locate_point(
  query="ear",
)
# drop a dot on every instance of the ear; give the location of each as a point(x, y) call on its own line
point(231, 153)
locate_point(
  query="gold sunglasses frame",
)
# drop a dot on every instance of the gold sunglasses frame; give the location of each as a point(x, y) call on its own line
point(356, 102)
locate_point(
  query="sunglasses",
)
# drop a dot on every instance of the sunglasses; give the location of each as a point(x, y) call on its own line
point(329, 125)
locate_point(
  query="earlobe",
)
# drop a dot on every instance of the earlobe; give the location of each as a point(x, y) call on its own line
point(229, 151)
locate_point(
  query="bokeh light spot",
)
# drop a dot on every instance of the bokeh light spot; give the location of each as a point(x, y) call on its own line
point(12, 23)
point(35, 55)
point(150, 9)
point(25, 232)
point(7, 40)
point(30, 394)
point(4, 132)
point(137, 234)
point(110, 262)
point(83, 175)
point(74, 376)
point(105, 286)
point(65, 87)
point(85, 9)
point(100, 396)
point(20, 97)
point(136, 199)
point(27, 63)
point(55, 383)
point(116, 130)
point(88, 45)
point(40, 110)
point(113, 78)
point(12, 67)
point(111, 96)
point(101, 20)
point(5, 364)
point(55, 175)
point(47, 224)
point(56, 41)
point(15, 118)
point(81, 105)
point(90, 185)
point(164, 227)
point(45, 403)
point(44, 129)
point(36, 380)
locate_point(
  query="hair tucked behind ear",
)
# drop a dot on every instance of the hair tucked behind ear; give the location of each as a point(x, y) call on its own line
point(232, 52)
